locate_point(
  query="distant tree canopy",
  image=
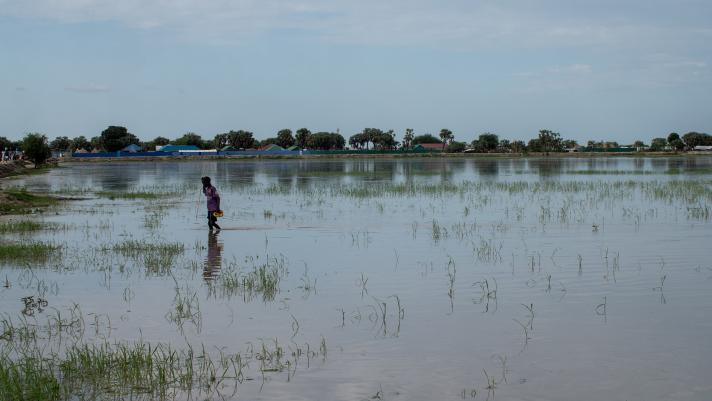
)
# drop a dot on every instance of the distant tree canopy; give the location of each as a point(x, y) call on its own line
point(285, 138)
point(302, 137)
point(80, 142)
point(36, 148)
point(426, 138)
point(550, 141)
point(569, 143)
point(487, 142)
point(160, 141)
point(380, 139)
point(5, 143)
point(446, 136)
point(115, 138)
point(518, 146)
point(237, 139)
point(673, 136)
point(658, 144)
point(60, 143)
point(269, 141)
point(456, 147)
point(190, 138)
point(408, 138)
point(326, 141)
point(693, 139)
point(96, 143)
point(534, 145)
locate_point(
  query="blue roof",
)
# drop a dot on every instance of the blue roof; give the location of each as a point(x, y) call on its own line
point(176, 148)
point(132, 147)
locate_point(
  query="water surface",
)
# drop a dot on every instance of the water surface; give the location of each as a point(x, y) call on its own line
point(559, 279)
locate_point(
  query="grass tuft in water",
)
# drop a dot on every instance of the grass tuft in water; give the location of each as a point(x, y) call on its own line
point(33, 251)
point(24, 226)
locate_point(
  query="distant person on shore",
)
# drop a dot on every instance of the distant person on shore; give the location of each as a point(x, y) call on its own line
point(213, 202)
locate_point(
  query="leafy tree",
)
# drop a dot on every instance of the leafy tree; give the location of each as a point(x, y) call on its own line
point(446, 136)
point(427, 138)
point(190, 138)
point(639, 144)
point(160, 141)
point(673, 136)
point(385, 140)
point(36, 148)
point(60, 143)
point(221, 140)
point(237, 139)
point(518, 146)
point(476, 146)
point(535, 145)
point(285, 138)
point(550, 141)
point(357, 141)
point(116, 138)
point(5, 143)
point(504, 146)
point(408, 138)
point(371, 135)
point(658, 144)
point(80, 142)
point(269, 141)
point(488, 142)
point(456, 147)
point(326, 141)
point(693, 139)
point(569, 144)
point(96, 143)
point(677, 144)
point(302, 137)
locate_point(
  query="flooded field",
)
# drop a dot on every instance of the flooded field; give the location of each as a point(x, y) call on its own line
point(391, 279)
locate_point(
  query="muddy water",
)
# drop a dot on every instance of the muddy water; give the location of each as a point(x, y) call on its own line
point(426, 279)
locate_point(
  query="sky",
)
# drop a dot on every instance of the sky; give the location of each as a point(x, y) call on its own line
point(604, 70)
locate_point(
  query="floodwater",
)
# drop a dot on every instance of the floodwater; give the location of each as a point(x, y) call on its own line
point(423, 279)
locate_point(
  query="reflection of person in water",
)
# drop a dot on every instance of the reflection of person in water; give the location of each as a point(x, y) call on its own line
point(214, 258)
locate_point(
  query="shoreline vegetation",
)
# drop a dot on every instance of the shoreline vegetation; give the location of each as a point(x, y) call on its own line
point(69, 159)
point(115, 141)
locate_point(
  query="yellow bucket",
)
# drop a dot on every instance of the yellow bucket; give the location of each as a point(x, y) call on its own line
point(218, 213)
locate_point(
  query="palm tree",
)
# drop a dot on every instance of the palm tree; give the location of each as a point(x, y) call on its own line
point(446, 136)
point(408, 137)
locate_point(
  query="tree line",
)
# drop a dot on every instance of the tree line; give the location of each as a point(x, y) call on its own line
point(115, 138)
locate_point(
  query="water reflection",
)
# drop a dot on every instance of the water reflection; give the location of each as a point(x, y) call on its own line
point(213, 260)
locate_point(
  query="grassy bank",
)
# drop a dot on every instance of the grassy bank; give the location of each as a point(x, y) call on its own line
point(19, 201)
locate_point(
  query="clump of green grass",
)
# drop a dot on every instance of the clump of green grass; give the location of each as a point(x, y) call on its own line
point(135, 249)
point(116, 370)
point(262, 280)
point(18, 200)
point(23, 226)
point(34, 251)
point(157, 258)
point(28, 378)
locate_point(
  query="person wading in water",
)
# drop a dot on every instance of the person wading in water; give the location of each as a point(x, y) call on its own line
point(213, 202)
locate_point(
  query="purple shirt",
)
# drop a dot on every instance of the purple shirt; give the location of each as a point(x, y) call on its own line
point(213, 198)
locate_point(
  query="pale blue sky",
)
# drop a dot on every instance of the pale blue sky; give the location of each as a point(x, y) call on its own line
point(608, 70)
